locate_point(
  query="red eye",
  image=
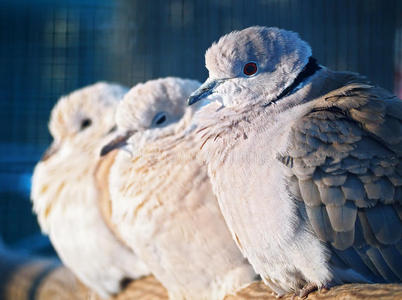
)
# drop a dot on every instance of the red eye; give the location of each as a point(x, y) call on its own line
point(250, 69)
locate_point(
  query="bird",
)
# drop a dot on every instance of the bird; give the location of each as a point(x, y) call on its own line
point(305, 162)
point(65, 195)
point(162, 203)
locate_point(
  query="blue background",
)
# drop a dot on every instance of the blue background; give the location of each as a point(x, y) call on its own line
point(50, 48)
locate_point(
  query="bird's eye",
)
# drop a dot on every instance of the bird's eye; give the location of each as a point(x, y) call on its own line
point(85, 123)
point(159, 118)
point(250, 68)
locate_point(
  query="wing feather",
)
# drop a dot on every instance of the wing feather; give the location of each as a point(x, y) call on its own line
point(346, 156)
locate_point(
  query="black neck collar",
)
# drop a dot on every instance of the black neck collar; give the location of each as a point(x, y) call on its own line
point(307, 71)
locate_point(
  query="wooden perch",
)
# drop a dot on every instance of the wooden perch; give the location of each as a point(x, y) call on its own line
point(348, 291)
point(24, 278)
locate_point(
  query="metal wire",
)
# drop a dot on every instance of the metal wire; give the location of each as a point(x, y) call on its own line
point(49, 48)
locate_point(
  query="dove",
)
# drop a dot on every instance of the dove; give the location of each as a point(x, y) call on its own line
point(65, 195)
point(162, 202)
point(305, 162)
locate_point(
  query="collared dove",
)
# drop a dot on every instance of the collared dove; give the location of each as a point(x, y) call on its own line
point(65, 196)
point(162, 202)
point(305, 162)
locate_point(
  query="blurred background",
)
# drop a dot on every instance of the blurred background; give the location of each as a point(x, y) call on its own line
point(50, 48)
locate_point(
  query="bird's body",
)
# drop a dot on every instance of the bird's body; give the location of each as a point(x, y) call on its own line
point(308, 179)
point(174, 224)
point(65, 196)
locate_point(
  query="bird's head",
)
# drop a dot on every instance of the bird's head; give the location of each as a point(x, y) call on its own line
point(79, 124)
point(82, 119)
point(253, 65)
point(150, 111)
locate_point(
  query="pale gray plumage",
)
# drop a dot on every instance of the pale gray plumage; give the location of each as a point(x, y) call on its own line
point(306, 162)
point(162, 202)
point(65, 195)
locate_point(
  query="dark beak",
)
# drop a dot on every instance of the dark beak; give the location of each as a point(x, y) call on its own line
point(52, 149)
point(206, 89)
point(117, 142)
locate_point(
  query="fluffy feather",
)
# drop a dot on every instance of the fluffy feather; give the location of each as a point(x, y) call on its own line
point(307, 182)
point(162, 202)
point(65, 196)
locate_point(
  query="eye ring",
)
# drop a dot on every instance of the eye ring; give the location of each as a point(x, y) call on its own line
point(250, 68)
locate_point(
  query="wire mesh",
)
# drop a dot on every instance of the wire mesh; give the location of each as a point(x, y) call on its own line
point(50, 48)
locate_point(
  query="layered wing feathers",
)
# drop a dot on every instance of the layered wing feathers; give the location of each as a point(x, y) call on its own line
point(345, 158)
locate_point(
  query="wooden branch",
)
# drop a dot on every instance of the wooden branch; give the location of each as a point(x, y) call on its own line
point(348, 291)
point(24, 278)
